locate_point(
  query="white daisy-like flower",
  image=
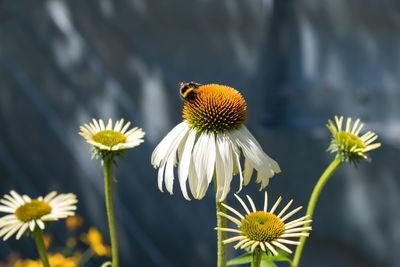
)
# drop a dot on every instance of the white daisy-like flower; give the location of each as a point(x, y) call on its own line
point(111, 138)
point(347, 143)
point(27, 213)
point(210, 141)
point(263, 228)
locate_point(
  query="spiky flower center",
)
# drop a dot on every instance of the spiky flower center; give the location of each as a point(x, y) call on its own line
point(215, 108)
point(32, 210)
point(109, 138)
point(262, 226)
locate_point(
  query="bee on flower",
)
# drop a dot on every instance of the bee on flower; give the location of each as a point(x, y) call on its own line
point(209, 142)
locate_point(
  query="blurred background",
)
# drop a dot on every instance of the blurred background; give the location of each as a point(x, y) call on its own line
point(297, 64)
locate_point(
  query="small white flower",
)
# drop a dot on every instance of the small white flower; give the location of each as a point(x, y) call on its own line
point(210, 141)
point(27, 213)
point(109, 138)
point(263, 228)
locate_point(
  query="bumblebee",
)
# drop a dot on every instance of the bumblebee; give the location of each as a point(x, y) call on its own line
point(188, 90)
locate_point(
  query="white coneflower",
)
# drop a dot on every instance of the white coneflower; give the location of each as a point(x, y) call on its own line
point(210, 141)
point(347, 143)
point(111, 138)
point(27, 213)
point(264, 229)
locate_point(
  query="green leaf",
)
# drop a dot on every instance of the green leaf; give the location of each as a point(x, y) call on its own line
point(268, 264)
point(242, 259)
point(107, 263)
point(282, 256)
point(266, 259)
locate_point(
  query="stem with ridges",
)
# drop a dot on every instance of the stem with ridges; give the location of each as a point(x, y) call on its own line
point(221, 223)
point(108, 180)
point(257, 253)
point(38, 236)
point(313, 201)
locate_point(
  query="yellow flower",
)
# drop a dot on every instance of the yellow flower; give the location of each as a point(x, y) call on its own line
point(347, 143)
point(95, 240)
point(55, 260)
point(73, 222)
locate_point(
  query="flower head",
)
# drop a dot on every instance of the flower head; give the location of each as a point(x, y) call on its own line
point(30, 213)
point(108, 138)
point(95, 240)
point(210, 140)
point(74, 222)
point(347, 143)
point(265, 229)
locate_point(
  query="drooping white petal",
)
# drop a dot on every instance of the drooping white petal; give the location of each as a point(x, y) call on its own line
point(193, 179)
point(248, 171)
point(204, 162)
point(254, 153)
point(167, 143)
point(223, 167)
point(183, 169)
point(236, 162)
point(171, 160)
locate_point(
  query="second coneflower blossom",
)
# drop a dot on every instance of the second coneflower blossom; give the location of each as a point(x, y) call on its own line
point(27, 214)
point(266, 229)
point(209, 142)
point(109, 139)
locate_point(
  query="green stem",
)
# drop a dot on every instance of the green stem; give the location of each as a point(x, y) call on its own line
point(86, 256)
point(108, 180)
point(313, 201)
point(38, 236)
point(221, 235)
point(256, 257)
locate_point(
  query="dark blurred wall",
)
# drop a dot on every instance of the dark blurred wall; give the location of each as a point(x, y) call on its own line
point(297, 63)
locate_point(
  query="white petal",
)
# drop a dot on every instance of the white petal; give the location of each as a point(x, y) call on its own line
point(236, 162)
point(254, 153)
point(193, 179)
point(118, 125)
point(12, 231)
point(183, 169)
point(125, 127)
point(17, 197)
point(223, 167)
point(204, 162)
point(163, 149)
point(7, 209)
point(102, 127)
point(32, 225)
point(248, 171)
point(169, 172)
point(40, 224)
point(109, 124)
point(50, 196)
point(22, 230)
point(160, 177)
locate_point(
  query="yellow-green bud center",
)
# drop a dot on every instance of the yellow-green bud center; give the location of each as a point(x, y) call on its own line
point(32, 210)
point(109, 138)
point(262, 226)
point(348, 140)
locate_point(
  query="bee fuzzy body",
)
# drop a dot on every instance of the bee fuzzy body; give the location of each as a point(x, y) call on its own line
point(188, 90)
